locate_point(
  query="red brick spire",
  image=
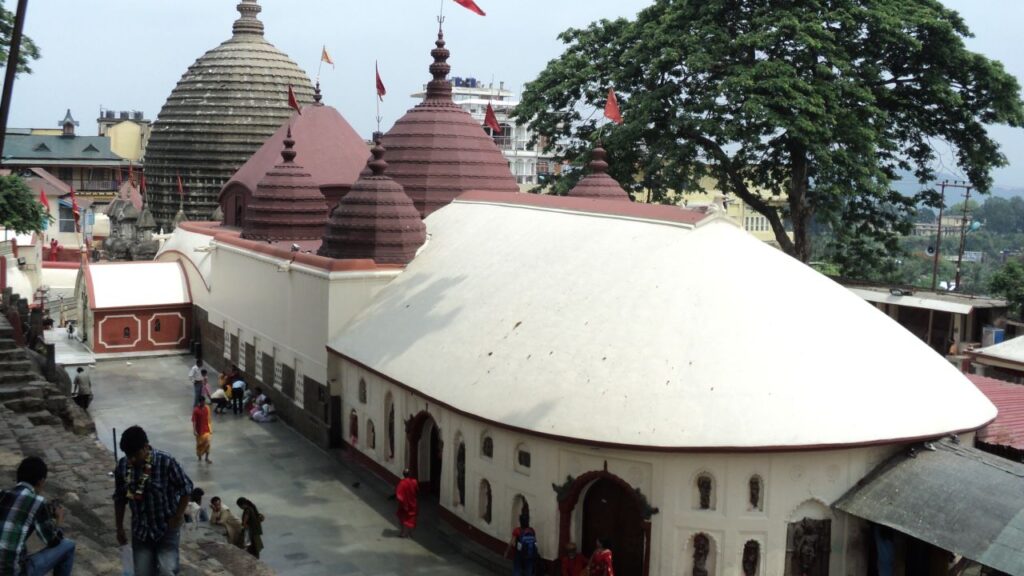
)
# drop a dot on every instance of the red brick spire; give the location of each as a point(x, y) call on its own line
point(598, 184)
point(287, 204)
point(376, 220)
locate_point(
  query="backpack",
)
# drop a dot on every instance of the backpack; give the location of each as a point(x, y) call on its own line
point(526, 546)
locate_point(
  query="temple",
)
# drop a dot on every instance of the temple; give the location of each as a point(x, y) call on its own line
point(603, 364)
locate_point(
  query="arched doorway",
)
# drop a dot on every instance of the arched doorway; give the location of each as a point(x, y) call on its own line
point(425, 453)
point(609, 508)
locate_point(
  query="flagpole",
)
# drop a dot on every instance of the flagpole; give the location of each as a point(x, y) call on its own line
point(321, 65)
point(440, 14)
point(376, 89)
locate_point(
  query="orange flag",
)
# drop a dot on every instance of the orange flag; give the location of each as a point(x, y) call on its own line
point(325, 57)
point(292, 101)
point(491, 121)
point(611, 108)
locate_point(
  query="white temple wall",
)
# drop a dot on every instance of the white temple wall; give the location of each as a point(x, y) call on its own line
point(793, 484)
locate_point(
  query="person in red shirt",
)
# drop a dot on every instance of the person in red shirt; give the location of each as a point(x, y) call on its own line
point(573, 563)
point(601, 560)
point(406, 493)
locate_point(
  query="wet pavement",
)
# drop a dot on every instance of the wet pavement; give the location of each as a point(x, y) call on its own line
point(323, 517)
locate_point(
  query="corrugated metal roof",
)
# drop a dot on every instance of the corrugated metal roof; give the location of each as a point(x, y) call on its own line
point(51, 149)
point(955, 497)
point(1008, 427)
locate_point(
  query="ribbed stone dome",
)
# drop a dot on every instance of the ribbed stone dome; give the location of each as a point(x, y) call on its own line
point(598, 184)
point(223, 108)
point(287, 204)
point(375, 220)
point(438, 151)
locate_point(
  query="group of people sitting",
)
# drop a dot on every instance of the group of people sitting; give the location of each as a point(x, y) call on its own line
point(235, 393)
point(246, 533)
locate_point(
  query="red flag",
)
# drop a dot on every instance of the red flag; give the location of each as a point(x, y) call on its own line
point(611, 108)
point(292, 101)
point(43, 200)
point(491, 121)
point(181, 189)
point(381, 90)
point(143, 183)
point(74, 208)
point(469, 4)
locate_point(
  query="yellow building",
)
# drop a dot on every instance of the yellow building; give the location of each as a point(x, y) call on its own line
point(128, 133)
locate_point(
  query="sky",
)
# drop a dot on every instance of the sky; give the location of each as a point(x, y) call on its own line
point(129, 54)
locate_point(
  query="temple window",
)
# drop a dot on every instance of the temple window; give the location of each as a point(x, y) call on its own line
point(522, 459)
point(371, 435)
point(460, 472)
point(362, 391)
point(704, 496)
point(487, 447)
point(755, 497)
point(127, 332)
point(390, 405)
point(353, 428)
point(156, 325)
point(484, 501)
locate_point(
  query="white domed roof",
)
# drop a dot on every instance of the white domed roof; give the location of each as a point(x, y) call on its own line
point(626, 329)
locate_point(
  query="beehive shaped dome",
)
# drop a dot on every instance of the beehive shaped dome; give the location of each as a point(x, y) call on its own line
point(375, 220)
point(287, 204)
point(224, 107)
point(598, 184)
point(438, 151)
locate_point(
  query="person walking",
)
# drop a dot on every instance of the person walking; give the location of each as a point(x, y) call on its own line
point(23, 511)
point(523, 545)
point(252, 526)
point(154, 485)
point(82, 391)
point(407, 493)
point(601, 559)
point(195, 376)
point(202, 428)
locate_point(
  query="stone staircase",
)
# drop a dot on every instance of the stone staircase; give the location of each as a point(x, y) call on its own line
point(24, 389)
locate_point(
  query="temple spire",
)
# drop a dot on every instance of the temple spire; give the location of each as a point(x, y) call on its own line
point(440, 88)
point(248, 21)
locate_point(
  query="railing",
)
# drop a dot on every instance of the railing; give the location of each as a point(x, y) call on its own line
point(97, 185)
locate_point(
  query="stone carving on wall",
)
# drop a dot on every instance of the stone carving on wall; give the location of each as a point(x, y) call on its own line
point(755, 492)
point(808, 549)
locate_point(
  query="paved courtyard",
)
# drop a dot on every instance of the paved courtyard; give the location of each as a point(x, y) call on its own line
point(322, 517)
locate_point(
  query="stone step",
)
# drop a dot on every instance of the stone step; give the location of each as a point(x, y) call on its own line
point(14, 364)
point(29, 390)
point(12, 353)
point(7, 344)
point(17, 377)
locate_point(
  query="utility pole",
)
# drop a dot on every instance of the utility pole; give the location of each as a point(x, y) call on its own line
point(938, 238)
point(13, 53)
point(963, 235)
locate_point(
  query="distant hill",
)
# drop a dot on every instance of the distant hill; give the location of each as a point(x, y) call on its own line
point(955, 195)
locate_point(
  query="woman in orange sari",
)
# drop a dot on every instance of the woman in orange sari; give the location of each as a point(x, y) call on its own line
point(601, 560)
point(202, 427)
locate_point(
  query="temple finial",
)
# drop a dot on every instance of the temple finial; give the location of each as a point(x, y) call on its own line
point(248, 21)
point(288, 154)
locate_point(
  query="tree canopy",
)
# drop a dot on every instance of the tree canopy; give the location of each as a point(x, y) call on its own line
point(28, 51)
point(19, 209)
point(807, 111)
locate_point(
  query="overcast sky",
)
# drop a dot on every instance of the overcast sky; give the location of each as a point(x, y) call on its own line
point(129, 54)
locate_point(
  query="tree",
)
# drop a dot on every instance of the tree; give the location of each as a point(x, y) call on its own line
point(822, 104)
point(19, 209)
point(1008, 282)
point(28, 51)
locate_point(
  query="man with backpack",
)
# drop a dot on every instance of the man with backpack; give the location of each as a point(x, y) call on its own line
point(524, 547)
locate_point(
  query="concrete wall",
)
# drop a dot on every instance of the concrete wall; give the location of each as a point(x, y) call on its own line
point(147, 330)
point(794, 484)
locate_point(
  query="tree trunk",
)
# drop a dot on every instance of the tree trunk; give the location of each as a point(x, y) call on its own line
point(799, 209)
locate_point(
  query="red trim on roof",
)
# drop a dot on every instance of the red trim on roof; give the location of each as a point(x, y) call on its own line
point(67, 265)
point(1008, 427)
point(661, 212)
point(283, 249)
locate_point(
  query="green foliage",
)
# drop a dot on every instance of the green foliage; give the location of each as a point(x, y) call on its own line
point(1008, 282)
point(19, 209)
point(28, 52)
point(821, 102)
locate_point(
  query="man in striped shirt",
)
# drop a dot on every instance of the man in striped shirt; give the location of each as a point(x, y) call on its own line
point(156, 488)
point(24, 512)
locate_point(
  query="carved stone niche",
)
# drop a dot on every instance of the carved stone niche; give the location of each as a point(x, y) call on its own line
point(751, 557)
point(704, 488)
point(808, 544)
point(701, 549)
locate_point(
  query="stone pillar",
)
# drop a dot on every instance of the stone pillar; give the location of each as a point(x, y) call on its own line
point(51, 364)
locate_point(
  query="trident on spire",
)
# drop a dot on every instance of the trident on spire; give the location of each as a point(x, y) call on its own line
point(440, 17)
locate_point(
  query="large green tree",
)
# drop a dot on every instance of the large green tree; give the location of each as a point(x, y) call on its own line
point(19, 209)
point(807, 110)
point(28, 52)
